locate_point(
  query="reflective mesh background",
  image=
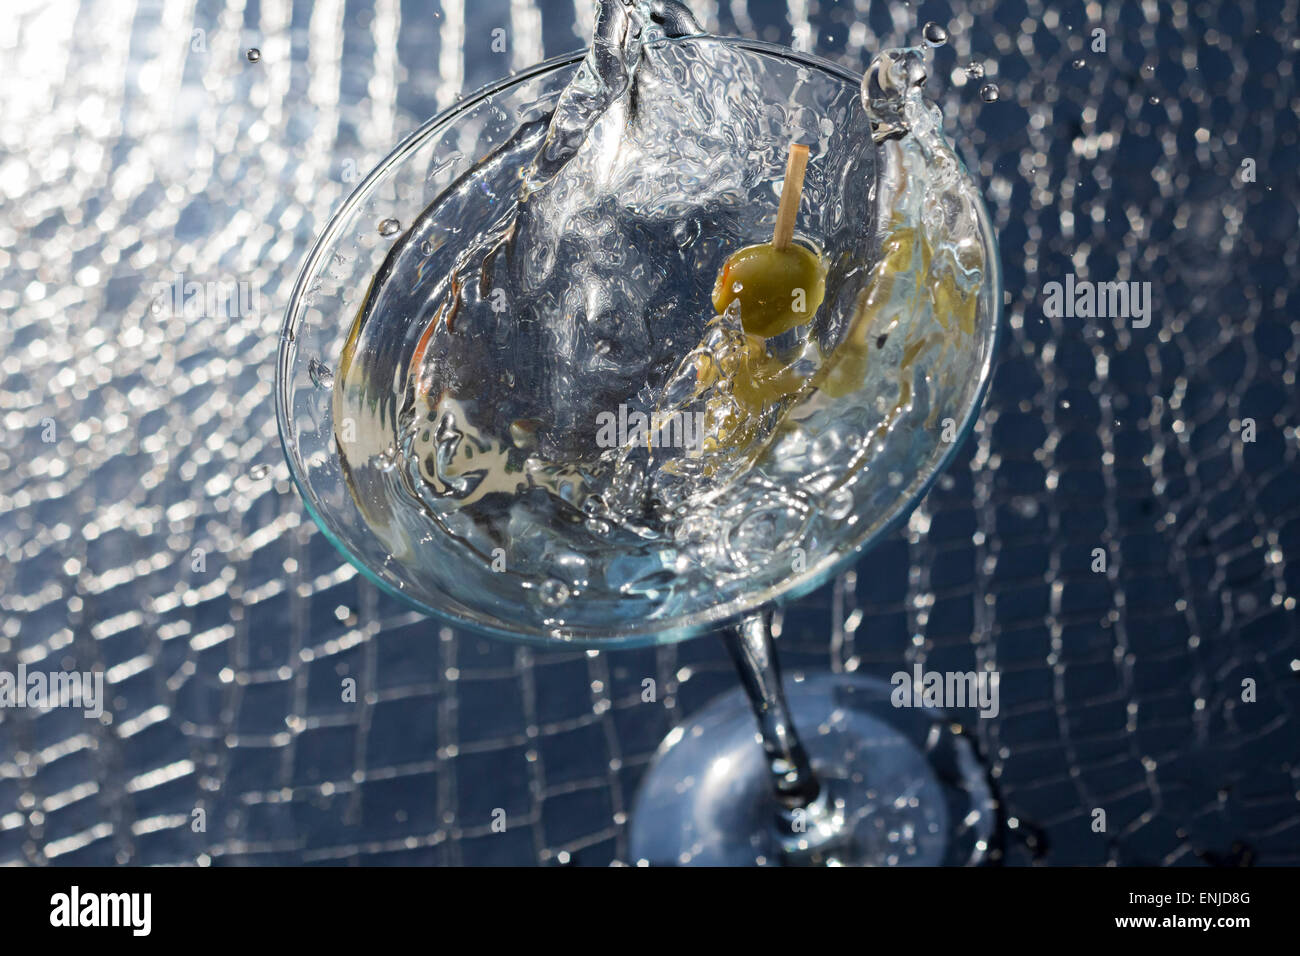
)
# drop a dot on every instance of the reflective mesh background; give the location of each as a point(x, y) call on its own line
point(147, 525)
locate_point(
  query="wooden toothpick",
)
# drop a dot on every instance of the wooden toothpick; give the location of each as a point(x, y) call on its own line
point(792, 189)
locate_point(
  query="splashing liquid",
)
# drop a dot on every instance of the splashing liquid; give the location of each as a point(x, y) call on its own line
point(552, 399)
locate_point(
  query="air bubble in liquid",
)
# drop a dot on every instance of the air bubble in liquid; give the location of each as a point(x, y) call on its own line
point(322, 375)
point(554, 592)
point(840, 505)
point(989, 93)
point(253, 55)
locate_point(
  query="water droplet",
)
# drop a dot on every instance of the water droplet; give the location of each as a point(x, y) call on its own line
point(934, 34)
point(258, 472)
point(390, 227)
point(554, 592)
point(975, 71)
point(1153, 100)
point(254, 54)
point(1080, 63)
point(1149, 70)
point(989, 93)
point(322, 376)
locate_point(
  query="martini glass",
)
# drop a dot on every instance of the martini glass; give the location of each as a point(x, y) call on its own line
point(866, 783)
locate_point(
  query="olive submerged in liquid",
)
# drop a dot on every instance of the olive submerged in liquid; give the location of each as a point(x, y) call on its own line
point(777, 288)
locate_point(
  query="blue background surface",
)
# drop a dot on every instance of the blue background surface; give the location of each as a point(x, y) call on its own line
point(137, 142)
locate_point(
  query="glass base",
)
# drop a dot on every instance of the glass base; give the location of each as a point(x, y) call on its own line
point(899, 786)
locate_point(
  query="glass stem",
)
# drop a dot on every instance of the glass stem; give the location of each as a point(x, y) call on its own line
point(751, 647)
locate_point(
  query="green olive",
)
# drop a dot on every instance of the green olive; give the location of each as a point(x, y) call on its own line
point(777, 288)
